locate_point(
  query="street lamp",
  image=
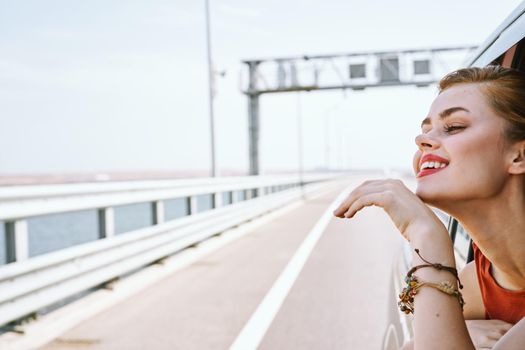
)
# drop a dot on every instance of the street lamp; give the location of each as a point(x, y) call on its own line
point(214, 172)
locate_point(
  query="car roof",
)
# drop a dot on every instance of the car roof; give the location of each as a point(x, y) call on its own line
point(508, 33)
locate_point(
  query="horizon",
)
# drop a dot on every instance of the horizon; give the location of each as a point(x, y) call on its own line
point(122, 86)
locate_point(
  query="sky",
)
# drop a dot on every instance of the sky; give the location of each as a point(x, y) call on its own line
point(122, 85)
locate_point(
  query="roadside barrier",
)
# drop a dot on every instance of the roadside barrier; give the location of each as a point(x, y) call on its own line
point(30, 284)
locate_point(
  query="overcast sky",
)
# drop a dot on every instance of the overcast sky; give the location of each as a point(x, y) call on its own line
point(88, 86)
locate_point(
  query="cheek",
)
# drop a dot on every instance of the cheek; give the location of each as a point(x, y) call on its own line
point(480, 155)
point(477, 170)
point(415, 161)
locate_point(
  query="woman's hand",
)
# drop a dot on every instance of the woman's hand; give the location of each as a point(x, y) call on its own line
point(407, 211)
point(439, 323)
point(485, 333)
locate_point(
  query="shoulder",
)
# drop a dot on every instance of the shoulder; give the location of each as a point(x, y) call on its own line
point(474, 308)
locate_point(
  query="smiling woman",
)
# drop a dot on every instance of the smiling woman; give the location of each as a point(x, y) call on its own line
point(476, 128)
point(471, 134)
point(469, 163)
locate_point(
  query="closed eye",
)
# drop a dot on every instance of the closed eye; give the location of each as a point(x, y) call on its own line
point(450, 129)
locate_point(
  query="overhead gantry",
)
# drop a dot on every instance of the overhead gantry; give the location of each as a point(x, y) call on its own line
point(355, 71)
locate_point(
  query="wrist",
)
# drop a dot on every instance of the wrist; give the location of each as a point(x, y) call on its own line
point(434, 244)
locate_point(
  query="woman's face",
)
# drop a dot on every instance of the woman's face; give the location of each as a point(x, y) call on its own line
point(462, 153)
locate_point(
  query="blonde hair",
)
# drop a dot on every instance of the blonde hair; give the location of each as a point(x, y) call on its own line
point(504, 90)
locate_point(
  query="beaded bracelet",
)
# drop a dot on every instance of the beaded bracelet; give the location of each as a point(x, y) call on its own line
point(406, 297)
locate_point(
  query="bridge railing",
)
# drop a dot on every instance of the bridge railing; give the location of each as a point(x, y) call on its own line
point(30, 284)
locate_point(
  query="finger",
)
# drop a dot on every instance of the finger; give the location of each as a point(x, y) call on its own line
point(372, 199)
point(345, 204)
point(489, 343)
point(500, 323)
point(505, 326)
point(354, 196)
point(499, 332)
point(499, 328)
point(367, 187)
point(359, 191)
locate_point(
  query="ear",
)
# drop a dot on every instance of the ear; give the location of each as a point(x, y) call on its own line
point(518, 161)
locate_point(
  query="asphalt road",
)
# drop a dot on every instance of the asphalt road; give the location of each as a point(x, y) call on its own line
point(338, 301)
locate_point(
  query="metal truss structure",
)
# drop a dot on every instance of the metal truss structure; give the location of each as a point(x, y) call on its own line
point(350, 71)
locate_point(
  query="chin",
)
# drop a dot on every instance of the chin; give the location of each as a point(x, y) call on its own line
point(432, 196)
point(439, 199)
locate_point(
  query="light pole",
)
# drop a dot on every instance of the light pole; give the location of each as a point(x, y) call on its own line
point(214, 172)
point(300, 141)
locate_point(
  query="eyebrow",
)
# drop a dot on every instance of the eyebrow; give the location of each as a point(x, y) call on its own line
point(445, 114)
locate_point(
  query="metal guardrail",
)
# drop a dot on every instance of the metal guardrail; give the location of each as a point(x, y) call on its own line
point(19, 203)
point(39, 191)
point(30, 284)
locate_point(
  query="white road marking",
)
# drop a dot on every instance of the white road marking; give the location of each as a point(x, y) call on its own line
point(254, 330)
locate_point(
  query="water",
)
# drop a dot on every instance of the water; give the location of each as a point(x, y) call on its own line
point(133, 216)
point(204, 202)
point(226, 198)
point(53, 232)
point(49, 233)
point(175, 208)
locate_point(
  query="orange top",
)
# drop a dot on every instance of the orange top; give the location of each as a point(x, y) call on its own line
point(500, 303)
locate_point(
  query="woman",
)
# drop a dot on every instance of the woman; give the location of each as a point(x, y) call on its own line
point(470, 163)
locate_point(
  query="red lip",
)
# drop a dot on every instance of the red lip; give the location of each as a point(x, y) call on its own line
point(430, 158)
point(427, 172)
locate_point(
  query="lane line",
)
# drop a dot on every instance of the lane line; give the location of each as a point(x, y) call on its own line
point(57, 323)
point(254, 330)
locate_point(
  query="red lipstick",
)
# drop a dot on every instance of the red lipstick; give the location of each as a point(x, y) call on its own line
point(430, 158)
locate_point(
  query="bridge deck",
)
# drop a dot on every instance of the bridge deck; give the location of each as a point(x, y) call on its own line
point(338, 301)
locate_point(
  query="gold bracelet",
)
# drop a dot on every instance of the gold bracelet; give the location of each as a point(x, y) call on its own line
point(406, 297)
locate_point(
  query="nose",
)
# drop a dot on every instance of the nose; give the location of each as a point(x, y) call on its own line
point(426, 142)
